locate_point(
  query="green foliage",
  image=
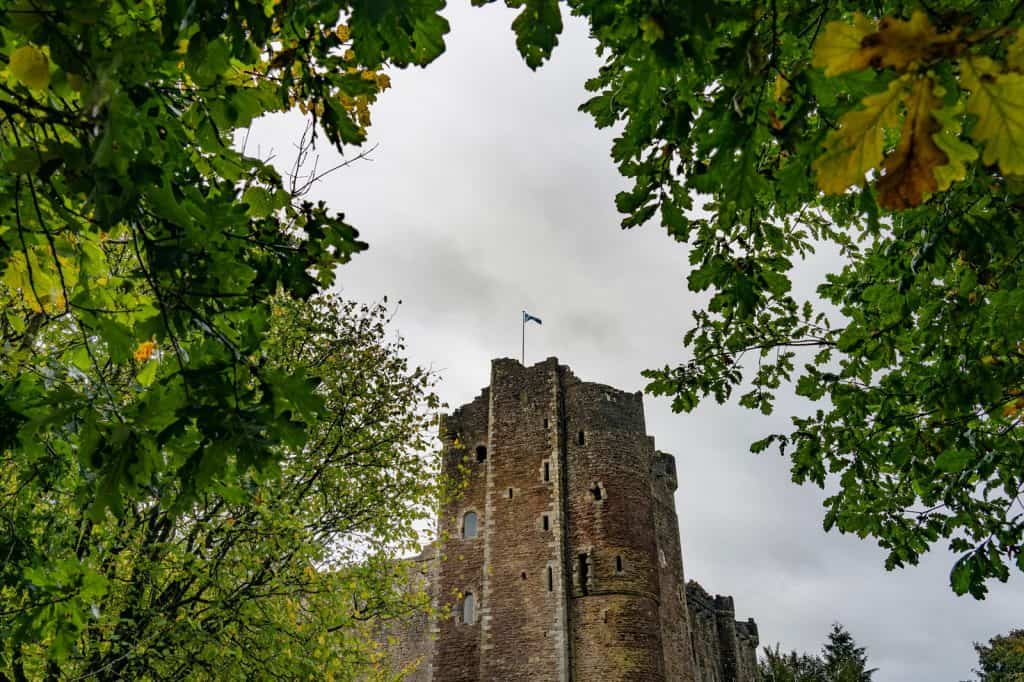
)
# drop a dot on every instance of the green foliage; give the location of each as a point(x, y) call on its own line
point(776, 666)
point(841, 660)
point(732, 117)
point(1002, 659)
point(128, 216)
point(281, 573)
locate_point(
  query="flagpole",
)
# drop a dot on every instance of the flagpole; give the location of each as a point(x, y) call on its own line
point(523, 356)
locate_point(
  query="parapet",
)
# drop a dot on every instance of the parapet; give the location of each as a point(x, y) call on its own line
point(747, 631)
point(665, 469)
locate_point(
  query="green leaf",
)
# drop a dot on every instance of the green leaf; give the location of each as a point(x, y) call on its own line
point(537, 28)
point(148, 373)
point(163, 203)
point(954, 461)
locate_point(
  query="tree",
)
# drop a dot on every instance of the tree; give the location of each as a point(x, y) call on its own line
point(1002, 659)
point(841, 660)
point(888, 133)
point(282, 569)
point(776, 666)
point(129, 212)
point(151, 434)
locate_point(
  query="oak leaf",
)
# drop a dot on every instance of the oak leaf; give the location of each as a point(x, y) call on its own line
point(857, 145)
point(30, 66)
point(948, 140)
point(997, 100)
point(895, 43)
point(839, 50)
point(910, 169)
point(898, 43)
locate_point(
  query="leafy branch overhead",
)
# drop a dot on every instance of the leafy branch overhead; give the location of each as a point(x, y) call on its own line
point(934, 74)
point(135, 220)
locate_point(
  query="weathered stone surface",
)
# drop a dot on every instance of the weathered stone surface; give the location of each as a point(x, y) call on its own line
point(576, 570)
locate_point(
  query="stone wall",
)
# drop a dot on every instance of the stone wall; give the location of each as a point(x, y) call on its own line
point(408, 641)
point(724, 649)
point(674, 615)
point(576, 569)
point(460, 569)
point(615, 594)
point(523, 620)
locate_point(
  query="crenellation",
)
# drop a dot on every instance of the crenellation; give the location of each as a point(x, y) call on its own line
point(576, 569)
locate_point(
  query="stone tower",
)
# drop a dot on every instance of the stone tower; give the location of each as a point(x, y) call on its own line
point(560, 560)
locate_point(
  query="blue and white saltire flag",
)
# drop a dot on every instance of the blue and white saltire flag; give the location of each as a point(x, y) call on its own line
point(527, 317)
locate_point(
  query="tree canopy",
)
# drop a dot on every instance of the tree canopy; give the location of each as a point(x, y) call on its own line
point(889, 134)
point(1002, 658)
point(841, 660)
point(130, 212)
point(283, 570)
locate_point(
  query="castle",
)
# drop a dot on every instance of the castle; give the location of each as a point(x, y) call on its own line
point(560, 560)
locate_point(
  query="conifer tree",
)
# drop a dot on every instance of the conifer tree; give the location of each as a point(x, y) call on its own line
point(843, 660)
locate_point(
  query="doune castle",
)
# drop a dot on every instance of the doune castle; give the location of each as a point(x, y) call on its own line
point(561, 559)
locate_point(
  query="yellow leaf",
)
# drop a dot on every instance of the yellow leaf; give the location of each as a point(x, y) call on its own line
point(900, 43)
point(948, 140)
point(145, 351)
point(362, 111)
point(895, 43)
point(858, 144)
point(838, 49)
point(997, 100)
point(1013, 408)
point(781, 91)
point(30, 67)
point(910, 169)
point(652, 30)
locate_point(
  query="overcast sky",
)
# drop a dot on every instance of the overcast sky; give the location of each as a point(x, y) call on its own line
point(490, 193)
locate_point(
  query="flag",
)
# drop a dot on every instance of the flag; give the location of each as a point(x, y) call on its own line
point(527, 317)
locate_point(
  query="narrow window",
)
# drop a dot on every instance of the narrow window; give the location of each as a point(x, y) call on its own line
point(469, 525)
point(510, 493)
point(597, 492)
point(481, 453)
point(618, 564)
point(547, 472)
point(551, 580)
point(584, 562)
point(523, 575)
point(544, 521)
point(580, 439)
point(468, 610)
point(545, 422)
